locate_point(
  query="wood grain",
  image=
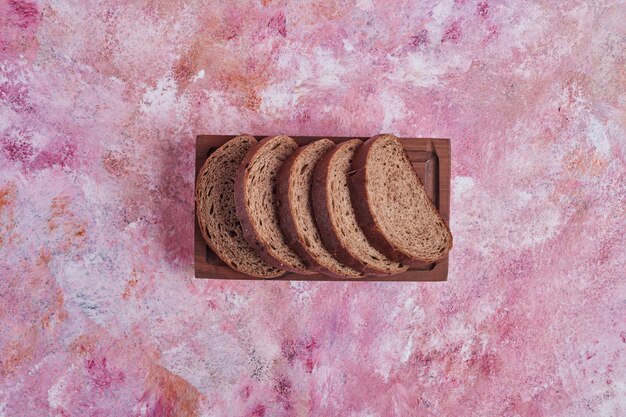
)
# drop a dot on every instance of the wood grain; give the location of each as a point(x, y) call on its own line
point(431, 161)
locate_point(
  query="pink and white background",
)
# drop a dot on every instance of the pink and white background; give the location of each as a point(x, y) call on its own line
point(100, 314)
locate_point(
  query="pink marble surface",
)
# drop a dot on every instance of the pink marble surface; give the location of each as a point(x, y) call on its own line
point(100, 314)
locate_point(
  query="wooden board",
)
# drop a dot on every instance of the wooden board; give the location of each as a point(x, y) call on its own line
point(431, 160)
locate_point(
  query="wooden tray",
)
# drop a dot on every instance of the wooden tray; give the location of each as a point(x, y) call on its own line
point(431, 160)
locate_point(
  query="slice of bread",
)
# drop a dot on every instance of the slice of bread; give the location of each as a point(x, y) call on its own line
point(335, 215)
point(296, 212)
point(255, 200)
point(215, 209)
point(392, 206)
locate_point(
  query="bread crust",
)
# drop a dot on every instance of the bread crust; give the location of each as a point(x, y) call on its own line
point(245, 218)
point(360, 201)
point(288, 217)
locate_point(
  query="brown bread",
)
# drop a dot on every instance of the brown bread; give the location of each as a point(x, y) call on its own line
point(215, 210)
point(255, 200)
point(392, 206)
point(335, 215)
point(296, 212)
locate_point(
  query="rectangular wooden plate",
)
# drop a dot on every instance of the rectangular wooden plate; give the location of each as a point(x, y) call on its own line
point(431, 160)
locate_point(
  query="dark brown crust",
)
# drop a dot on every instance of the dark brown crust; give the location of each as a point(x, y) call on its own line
point(321, 209)
point(287, 217)
point(358, 194)
point(249, 231)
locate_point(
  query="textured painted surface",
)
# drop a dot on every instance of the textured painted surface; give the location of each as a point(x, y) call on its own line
point(99, 105)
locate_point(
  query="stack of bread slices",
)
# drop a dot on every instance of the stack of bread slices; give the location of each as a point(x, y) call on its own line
point(344, 210)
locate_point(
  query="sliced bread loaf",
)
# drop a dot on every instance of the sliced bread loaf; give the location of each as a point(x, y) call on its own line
point(335, 215)
point(296, 212)
point(255, 200)
point(392, 206)
point(215, 210)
